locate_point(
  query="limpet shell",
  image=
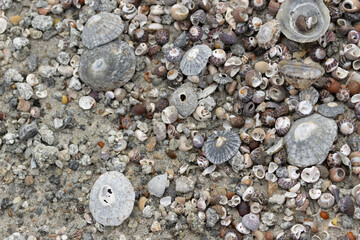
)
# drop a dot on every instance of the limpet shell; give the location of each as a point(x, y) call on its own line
point(268, 34)
point(195, 60)
point(107, 67)
point(309, 140)
point(112, 199)
point(300, 75)
point(330, 109)
point(291, 10)
point(222, 146)
point(101, 29)
point(87, 102)
point(185, 100)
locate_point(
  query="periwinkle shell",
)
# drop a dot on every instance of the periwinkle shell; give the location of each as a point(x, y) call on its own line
point(101, 28)
point(195, 60)
point(222, 146)
point(112, 199)
point(300, 75)
point(107, 67)
point(309, 140)
point(291, 10)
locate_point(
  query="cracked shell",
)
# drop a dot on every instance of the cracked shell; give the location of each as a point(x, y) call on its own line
point(222, 146)
point(112, 199)
point(185, 100)
point(292, 11)
point(101, 28)
point(195, 60)
point(107, 67)
point(309, 140)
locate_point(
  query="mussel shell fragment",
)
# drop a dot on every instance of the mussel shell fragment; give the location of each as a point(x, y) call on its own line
point(222, 146)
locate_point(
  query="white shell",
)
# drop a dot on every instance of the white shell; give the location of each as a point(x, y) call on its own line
point(292, 172)
point(352, 52)
point(345, 149)
point(272, 167)
point(297, 230)
point(315, 193)
point(140, 135)
point(355, 98)
point(87, 102)
point(201, 114)
point(32, 79)
point(246, 195)
point(259, 171)
point(169, 115)
point(3, 25)
point(157, 185)
point(310, 175)
point(258, 134)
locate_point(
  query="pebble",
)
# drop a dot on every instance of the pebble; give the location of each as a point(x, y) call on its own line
point(58, 123)
point(25, 90)
point(29, 180)
point(28, 130)
point(184, 184)
point(155, 226)
point(42, 23)
point(46, 135)
point(212, 217)
point(277, 199)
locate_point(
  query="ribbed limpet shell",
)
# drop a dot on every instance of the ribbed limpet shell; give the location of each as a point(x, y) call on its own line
point(222, 146)
point(101, 28)
point(107, 67)
point(291, 10)
point(112, 199)
point(299, 74)
point(309, 140)
point(195, 60)
point(330, 109)
point(268, 34)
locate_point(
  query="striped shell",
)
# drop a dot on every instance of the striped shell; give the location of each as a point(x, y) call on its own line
point(101, 29)
point(310, 94)
point(286, 183)
point(222, 146)
point(195, 60)
point(268, 34)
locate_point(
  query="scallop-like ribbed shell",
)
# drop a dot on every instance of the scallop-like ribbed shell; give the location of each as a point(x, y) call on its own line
point(331, 109)
point(112, 214)
point(223, 153)
point(289, 12)
point(310, 94)
point(268, 34)
point(300, 75)
point(185, 100)
point(101, 29)
point(195, 60)
point(107, 67)
point(309, 140)
point(222, 78)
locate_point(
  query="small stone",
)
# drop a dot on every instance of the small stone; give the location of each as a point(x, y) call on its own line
point(157, 185)
point(15, 236)
point(29, 180)
point(25, 90)
point(195, 223)
point(165, 201)
point(277, 199)
point(159, 129)
point(155, 226)
point(58, 123)
point(32, 62)
point(42, 23)
point(184, 184)
point(23, 106)
point(212, 217)
point(44, 155)
point(47, 135)
point(28, 130)
point(148, 211)
point(11, 76)
point(73, 165)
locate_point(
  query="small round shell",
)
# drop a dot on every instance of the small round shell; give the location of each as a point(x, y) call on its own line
point(282, 125)
point(101, 29)
point(326, 200)
point(222, 146)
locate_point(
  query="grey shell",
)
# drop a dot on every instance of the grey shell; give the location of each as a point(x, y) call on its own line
point(107, 67)
point(309, 140)
point(290, 10)
point(112, 199)
point(218, 154)
point(101, 28)
point(185, 100)
point(310, 94)
point(195, 60)
point(299, 74)
point(222, 78)
point(331, 109)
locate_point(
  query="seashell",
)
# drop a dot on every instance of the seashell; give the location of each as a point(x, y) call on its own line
point(222, 78)
point(286, 183)
point(251, 221)
point(315, 134)
point(107, 67)
point(228, 38)
point(258, 156)
point(354, 88)
point(107, 204)
point(142, 49)
point(255, 208)
point(185, 100)
point(316, 20)
point(234, 201)
point(229, 18)
point(326, 201)
point(195, 60)
point(310, 94)
point(241, 228)
point(202, 162)
point(314, 193)
point(352, 52)
point(304, 108)
point(277, 80)
point(297, 230)
point(218, 57)
point(87, 102)
point(162, 36)
point(259, 171)
point(258, 134)
point(240, 15)
point(169, 114)
point(344, 26)
point(268, 34)
point(157, 185)
point(356, 65)
point(317, 54)
point(245, 94)
point(201, 114)
point(253, 78)
point(179, 12)
point(280, 157)
point(101, 28)
point(258, 5)
point(198, 17)
point(330, 65)
point(281, 110)
point(353, 37)
point(277, 93)
point(221, 146)
point(293, 172)
point(331, 109)
point(334, 160)
point(249, 109)
point(310, 175)
point(337, 174)
point(346, 205)
point(351, 6)
point(258, 97)
point(300, 75)
point(347, 126)
point(272, 167)
point(183, 146)
point(340, 74)
point(268, 117)
point(32, 79)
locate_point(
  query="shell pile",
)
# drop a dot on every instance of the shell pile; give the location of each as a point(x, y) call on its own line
point(180, 119)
